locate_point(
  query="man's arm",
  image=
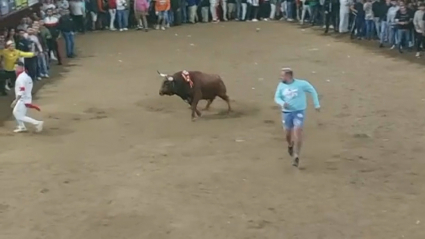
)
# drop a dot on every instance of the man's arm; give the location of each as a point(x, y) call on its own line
point(277, 96)
point(20, 92)
point(310, 89)
point(25, 54)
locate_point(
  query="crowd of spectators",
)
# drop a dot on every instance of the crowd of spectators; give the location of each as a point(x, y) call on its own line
point(394, 23)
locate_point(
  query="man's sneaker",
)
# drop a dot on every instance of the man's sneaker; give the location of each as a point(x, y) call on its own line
point(157, 27)
point(121, 29)
point(38, 78)
point(112, 29)
point(418, 54)
point(392, 47)
point(125, 29)
point(296, 162)
point(291, 150)
point(39, 127)
point(290, 20)
point(46, 76)
point(7, 87)
point(163, 28)
point(255, 20)
point(20, 130)
point(400, 49)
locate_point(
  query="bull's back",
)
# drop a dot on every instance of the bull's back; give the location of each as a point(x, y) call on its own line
point(211, 86)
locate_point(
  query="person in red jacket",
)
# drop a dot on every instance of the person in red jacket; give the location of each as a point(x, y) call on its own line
point(112, 5)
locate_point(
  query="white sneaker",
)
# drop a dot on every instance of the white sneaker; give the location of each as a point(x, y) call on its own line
point(39, 127)
point(418, 54)
point(46, 75)
point(157, 27)
point(7, 87)
point(290, 20)
point(38, 78)
point(392, 47)
point(20, 130)
point(125, 29)
point(254, 20)
point(121, 29)
point(163, 28)
point(112, 29)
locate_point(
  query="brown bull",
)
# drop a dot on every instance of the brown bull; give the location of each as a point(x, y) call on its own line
point(193, 86)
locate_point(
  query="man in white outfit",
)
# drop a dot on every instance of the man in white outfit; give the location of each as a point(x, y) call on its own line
point(23, 100)
point(344, 15)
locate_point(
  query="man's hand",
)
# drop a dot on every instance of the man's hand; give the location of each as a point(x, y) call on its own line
point(285, 105)
point(13, 104)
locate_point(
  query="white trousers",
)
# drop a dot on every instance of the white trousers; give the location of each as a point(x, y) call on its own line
point(213, 9)
point(344, 16)
point(224, 7)
point(113, 13)
point(272, 11)
point(244, 6)
point(20, 114)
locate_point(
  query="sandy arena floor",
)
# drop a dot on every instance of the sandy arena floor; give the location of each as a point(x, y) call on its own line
point(117, 161)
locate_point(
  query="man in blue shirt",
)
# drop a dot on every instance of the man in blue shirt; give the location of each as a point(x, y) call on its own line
point(290, 95)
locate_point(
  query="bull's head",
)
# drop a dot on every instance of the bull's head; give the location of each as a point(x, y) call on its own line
point(167, 85)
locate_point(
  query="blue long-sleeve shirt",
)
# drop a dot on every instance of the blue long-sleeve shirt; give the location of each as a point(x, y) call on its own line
point(293, 95)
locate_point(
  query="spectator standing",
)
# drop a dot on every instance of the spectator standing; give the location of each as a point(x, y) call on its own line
point(369, 18)
point(231, 6)
point(244, 4)
point(93, 8)
point(10, 56)
point(391, 14)
point(213, 10)
point(51, 22)
point(192, 9)
point(204, 4)
point(77, 12)
point(67, 28)
point(223, 4)
point(42, 69)
point(175, 14)
point(112, 5)
point(344, 15)
point(161, 8)
point(46, 36)
point(23, 25)
point(11, 35)
point(383, 7)
point(290, 10)
point(31, 63)
point(121, 15)
point(418, 22)
point(305, 9)
point(330, 14)
point(358, 10)
point(403, 20)
point(141, 8)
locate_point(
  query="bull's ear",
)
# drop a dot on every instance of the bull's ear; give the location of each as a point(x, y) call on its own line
point(170, 78)
point(161, 74)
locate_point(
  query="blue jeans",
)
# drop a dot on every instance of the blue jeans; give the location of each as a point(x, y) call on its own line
point(184, 11)
point(393, 35)
point(369, 28)
point(238, 9)
point(69, 43)
point(384, 32)
point(403, 37)
point(170, 17)
point(289, 8)
point(42, 65)
point(294, 119)
point(122, 19)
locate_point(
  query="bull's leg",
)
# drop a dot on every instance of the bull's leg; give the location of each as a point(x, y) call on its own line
point(226, 98)
point(194, 105)
point(207, 107)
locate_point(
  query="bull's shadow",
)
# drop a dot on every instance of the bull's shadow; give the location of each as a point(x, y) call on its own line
point(239, 110)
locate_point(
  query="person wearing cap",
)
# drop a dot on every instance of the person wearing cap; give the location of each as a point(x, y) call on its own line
point(23, 100)
point(10, 56)
point(290, 95)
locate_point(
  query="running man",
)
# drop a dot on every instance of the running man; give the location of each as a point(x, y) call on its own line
point(23, 100)
point(290, 95)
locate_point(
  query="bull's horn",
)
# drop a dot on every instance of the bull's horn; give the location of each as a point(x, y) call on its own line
point(161, 74)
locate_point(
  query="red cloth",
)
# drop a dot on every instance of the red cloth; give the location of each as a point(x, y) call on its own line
point(31, 106)
point(112, 4)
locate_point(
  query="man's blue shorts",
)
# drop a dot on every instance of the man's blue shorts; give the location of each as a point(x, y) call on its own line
point(294, 119)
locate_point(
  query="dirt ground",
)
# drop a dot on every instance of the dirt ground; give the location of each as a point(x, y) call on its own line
point(117, 161)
